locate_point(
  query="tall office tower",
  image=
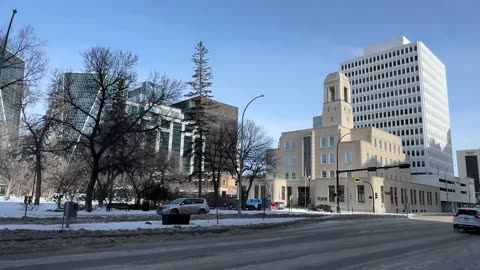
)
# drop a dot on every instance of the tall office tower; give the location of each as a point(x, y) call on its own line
point(82, 90)
point(11, 91)
point(401, 87)
point(468, 162)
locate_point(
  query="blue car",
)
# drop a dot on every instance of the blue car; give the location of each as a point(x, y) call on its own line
point(253, 204)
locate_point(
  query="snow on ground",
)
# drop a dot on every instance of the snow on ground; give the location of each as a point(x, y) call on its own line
point(143, 225)
point(16, 208)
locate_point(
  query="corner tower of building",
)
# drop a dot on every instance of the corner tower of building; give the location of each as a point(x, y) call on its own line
point(337, 108)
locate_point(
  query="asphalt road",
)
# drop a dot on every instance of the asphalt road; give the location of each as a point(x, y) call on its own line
point(361, 244)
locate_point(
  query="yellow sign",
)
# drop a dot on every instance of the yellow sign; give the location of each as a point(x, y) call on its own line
point(356, 180)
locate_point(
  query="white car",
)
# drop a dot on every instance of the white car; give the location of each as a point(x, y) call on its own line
point(187, 206)
point(467, 218)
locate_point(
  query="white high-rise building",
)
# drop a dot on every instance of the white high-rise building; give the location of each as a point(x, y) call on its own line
point(401, 87)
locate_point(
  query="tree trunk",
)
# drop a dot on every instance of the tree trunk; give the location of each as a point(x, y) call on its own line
point(200, 165)
point(91, 185)
point(38, 170)
point(9, 189)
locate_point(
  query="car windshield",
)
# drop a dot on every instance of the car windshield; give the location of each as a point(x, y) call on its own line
point(467, 212)
point(176, 201)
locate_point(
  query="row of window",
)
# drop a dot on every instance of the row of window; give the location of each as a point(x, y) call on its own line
point(383, 146)
point(387, 114)
point(387, 104)
point(331, 142)
point(418, 164)
point(330, 158)
point(385, 94)
point(401, 132)
point(290, 161)
point(293, 175)
point(380, 57)
point(399, 123)
point(383, 85)
point(415, 153)
point(379, 160)
point(412, 142)
point(331, 174)
point(290, 146)
point(384, 75)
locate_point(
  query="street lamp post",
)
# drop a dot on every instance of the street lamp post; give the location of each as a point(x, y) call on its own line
point(347, 194)
point(2, 57)
point(6, 40)
point(338, 173)
point(373, 195)
point(446, 186)
point(240, 189)
point(307, 177)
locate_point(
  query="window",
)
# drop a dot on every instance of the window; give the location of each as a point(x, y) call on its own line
point(332, 93)
point(294, 145)
point(391, 195)
point(332, 158)
point(324, 142)
point(287, 176)
point(332, 174)
point(324, 174)
point(294, 175)
point(283, 192)
point(324, 158)
point(331, 193)
point(349, 174)
point(331, 141)
point(361, 193)
point(287, 146)
point(348, 157)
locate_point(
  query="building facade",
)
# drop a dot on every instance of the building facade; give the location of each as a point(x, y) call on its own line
point(401, 87)
point(306, 163)
point(468, 162)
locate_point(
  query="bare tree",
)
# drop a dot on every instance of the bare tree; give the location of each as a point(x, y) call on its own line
point(254, 157)
point(34, 136)
point(66, 179)
point(13, 168)
point(25, 56)
point(109, 74)
point(220, 143)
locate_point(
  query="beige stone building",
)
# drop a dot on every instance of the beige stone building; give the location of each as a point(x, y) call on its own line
point(312, 154)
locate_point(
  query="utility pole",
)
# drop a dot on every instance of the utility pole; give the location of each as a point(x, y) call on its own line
point(337, 192)
point(240, 187)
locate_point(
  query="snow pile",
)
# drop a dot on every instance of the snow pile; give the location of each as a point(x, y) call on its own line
point(144, 225)
point(16, 208)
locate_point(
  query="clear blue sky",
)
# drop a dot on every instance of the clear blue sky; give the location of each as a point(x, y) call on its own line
point(283, 49)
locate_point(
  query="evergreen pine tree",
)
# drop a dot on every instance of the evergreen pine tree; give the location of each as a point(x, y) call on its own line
point(200, 93)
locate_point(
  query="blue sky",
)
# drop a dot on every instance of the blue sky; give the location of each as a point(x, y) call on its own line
point(283, 49)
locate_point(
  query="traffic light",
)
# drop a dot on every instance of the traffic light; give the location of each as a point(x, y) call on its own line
point(376, 195)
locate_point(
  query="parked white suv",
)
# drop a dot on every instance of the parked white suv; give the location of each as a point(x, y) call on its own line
point(467, 218)
point(184, 206)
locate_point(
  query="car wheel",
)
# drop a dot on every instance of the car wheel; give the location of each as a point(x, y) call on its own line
point(174, 212)
point(202, 212)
